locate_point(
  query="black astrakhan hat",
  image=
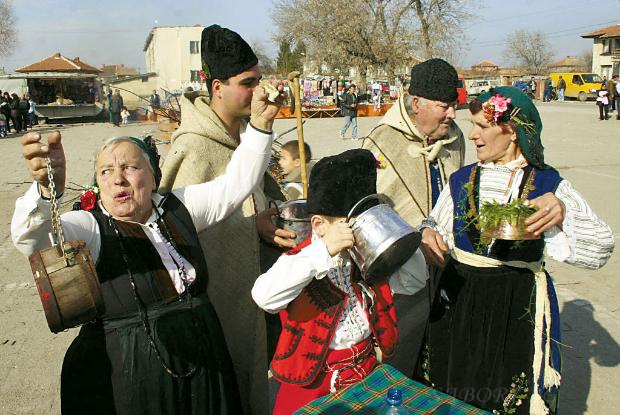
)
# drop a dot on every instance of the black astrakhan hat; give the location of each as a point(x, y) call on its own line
point(434, 79)
point(338, 182)
point(224, 53)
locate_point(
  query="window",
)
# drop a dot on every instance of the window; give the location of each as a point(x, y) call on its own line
point(194, 76)
point(194, 47)
point(593, 78)
point(606, 45)
point(605, 71)
point(577, 80)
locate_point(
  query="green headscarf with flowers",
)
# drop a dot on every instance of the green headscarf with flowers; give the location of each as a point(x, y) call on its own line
point(515, 107)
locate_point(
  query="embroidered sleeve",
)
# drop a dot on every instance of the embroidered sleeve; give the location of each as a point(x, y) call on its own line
point(591, 240)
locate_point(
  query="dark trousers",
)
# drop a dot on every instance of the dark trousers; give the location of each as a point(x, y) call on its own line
point(25, 121)
point(603, 109)
point(116, 118)
point(17, 121)
point(617, 101)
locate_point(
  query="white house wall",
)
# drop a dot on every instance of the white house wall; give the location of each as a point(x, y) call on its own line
point(602, 64)
point(168, 55)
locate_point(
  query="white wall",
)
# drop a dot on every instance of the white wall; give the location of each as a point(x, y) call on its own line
point(602, 64)
point(138, 87)
point(168, 55)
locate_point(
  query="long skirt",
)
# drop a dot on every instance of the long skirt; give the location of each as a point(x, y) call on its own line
point(112, 367)
point(479, 345)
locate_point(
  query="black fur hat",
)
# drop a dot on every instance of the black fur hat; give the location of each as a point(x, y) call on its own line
point(434, 79)
point(338, 182)
point(224, 53)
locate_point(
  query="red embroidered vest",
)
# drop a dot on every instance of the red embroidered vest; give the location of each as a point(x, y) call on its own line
point(309, 323)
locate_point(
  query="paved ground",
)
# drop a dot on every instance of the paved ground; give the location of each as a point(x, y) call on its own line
point(583, 148)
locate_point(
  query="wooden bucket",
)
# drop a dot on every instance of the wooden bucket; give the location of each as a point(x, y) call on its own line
point(70, 294)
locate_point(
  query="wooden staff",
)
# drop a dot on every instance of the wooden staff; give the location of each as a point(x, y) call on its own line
point(293, 81)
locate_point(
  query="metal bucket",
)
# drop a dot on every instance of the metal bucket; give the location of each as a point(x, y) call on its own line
point(293, 216)
point(510, 231)
point(383, 240)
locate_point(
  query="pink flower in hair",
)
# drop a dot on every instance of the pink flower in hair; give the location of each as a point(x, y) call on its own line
point(501, 103)
point(495, 107)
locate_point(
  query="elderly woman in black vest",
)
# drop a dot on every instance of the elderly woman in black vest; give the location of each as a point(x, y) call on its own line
point(159, 347)
point(493, 337)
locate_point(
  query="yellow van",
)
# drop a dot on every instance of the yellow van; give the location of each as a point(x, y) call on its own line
point(581, 85)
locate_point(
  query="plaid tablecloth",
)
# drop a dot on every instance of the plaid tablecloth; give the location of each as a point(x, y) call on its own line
point(366, 397)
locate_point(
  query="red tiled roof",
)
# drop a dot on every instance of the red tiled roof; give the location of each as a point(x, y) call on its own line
point(117, 70)
point(485, 64)
point(59, 63)
point(568, 61)
point(609, 31)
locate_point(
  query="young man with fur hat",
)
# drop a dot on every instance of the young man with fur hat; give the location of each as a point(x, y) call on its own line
point(419, 146)
point(331, 317)
point(211, 126)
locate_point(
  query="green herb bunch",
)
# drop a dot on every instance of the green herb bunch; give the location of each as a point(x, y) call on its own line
point(494, 214)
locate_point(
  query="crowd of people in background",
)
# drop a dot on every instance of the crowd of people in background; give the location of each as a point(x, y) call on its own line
point(16, 112)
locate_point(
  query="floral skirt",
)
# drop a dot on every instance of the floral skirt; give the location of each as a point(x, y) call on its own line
point(478, 345)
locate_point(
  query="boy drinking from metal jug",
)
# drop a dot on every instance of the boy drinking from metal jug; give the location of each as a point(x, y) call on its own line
point(335, 326)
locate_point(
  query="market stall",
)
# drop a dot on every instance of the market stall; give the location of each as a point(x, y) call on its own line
point(321, 97)
point(62, 87)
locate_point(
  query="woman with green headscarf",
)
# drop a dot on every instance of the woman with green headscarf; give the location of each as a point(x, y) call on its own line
point(493, 334)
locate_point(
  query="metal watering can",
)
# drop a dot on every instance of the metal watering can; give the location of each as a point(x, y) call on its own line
point(383, 240)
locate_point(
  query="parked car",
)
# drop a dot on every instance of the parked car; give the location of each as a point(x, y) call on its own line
point(480, 86)
point(461, 99)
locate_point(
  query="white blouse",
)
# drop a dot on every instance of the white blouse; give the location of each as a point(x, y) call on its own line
point(207, 204)
point(285, 280)
point(583, 240)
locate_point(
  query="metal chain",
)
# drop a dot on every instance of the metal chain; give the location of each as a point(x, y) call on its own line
point(56, 226)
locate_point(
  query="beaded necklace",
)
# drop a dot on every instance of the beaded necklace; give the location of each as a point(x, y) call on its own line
point(142, 307)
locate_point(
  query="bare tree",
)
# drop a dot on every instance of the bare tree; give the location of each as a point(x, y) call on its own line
point(265, 62)
point(440, 24)
point(386, 35)
point(528, 49)
point(586, 56)
point(7, 28)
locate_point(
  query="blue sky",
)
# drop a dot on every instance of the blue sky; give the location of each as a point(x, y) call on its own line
point(114, 32)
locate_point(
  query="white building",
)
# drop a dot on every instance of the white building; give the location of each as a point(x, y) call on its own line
point(173, 53)
point(605, 50)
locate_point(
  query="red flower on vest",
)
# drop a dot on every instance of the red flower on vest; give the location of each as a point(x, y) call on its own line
point(88, 200)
